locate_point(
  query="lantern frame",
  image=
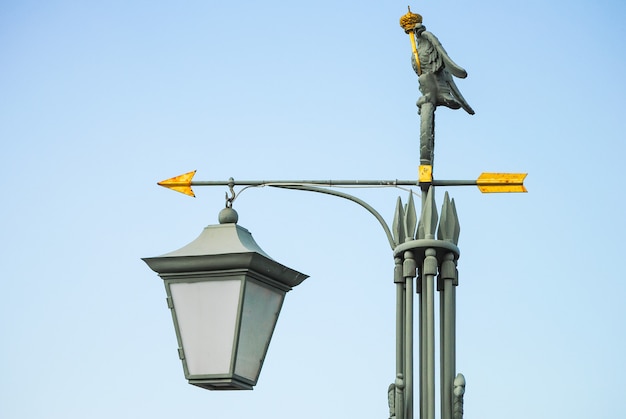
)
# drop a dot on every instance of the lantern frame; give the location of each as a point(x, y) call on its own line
point(224, 259)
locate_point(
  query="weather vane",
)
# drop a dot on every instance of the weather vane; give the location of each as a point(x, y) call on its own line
point(435, 70)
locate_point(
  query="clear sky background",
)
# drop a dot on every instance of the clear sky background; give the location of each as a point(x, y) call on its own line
point(100, 100)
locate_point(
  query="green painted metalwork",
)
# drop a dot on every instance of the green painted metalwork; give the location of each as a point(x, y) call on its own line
point(409, 272)
point(449, 227)
point(349, 197)
point(399, 224)
point(435, 252)
point(424, 249)
point(459, 391)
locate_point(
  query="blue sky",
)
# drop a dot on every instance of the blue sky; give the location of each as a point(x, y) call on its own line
point(100, 100)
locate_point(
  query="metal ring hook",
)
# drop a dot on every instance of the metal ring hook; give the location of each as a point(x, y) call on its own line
point(229, 200)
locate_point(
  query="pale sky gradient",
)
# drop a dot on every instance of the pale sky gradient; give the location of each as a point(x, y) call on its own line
point(100, 100)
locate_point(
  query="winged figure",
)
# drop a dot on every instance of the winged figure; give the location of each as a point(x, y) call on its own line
point(435, 69)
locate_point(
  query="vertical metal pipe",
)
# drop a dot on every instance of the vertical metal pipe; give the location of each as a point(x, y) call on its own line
point(422, 333)
point(408, 363)
point(447, 374)
point(430, 270)
point(422, 343)
point(455, 283)
point(442, 344)
point(448, 275)
point(409, 271)
point(453, 332)
point(448, 365)
point(430, 347)
point(398, 279)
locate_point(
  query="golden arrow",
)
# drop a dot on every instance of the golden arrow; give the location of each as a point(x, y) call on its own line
point(486, 182)
point(501, 182)
point(181, 183)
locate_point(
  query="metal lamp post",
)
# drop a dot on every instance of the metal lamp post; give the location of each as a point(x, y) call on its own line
point(225, 295)
point(225, 292)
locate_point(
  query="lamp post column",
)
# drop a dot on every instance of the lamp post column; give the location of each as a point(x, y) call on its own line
point(447, 289)
point(409, 273)
point(428, 333)
point(398, 394)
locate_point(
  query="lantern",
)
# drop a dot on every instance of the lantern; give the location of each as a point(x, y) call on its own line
point(225, 294)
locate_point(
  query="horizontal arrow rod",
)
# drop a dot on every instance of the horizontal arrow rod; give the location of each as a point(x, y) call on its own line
point(306, 182)
point(487, 182)
point(329, 183)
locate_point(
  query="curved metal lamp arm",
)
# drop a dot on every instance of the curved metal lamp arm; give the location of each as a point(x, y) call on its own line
point(349, 197)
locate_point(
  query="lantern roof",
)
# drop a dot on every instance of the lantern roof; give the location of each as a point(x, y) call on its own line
point(223, 247)
point(218, 240)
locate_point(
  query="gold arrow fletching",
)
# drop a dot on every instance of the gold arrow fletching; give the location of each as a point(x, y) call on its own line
point(181, 183)
point(501, 182)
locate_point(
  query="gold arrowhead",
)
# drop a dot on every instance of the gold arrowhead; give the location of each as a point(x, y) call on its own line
point(501, 182)
point(181, 183)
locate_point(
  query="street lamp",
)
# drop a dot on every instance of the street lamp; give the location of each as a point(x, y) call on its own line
point(225, 294)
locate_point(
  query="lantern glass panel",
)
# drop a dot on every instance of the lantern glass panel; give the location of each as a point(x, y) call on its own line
point(259, 316)
point(207, 317)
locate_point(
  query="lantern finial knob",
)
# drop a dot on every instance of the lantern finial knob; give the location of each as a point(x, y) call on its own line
point(228, 215)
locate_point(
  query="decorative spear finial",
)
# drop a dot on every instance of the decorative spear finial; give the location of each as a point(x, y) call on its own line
point(449, 227)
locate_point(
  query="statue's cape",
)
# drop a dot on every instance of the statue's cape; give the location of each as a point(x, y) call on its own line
point(450, 65)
